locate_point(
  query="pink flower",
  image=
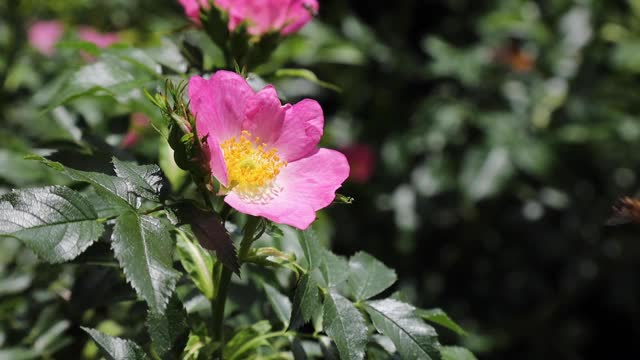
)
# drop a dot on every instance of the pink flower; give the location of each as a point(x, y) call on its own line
point(262, 16)
point(362, 161)
point(44, 35)
point(139, 123)
point(192, 8)
point(102, 40)
point(264, 154)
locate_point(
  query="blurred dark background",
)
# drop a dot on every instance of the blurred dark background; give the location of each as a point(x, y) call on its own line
point(492, 138)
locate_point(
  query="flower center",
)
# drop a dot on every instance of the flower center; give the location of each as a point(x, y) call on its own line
point(251, 166)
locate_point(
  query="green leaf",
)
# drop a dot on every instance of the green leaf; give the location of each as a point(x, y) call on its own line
point(114, 190)
point(147, 181)
point(413, 338)
point(456, 353)
point(19, 354)
point(345, 325)
point(368, 276)
point(280, 303)
point(116, 348)
point(168, 54)
point(311, 247)
point(210, 232)
point(169, 331)
point(297, 349)
point(246, 340)
point(334, 268)
point(144, 247)
point(441, 318)
point(307, 75)
point(305, 301)
point(109, 76)
point(198, 263)
point(57, 223)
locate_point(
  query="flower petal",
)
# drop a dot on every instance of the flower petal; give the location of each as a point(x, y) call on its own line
point(301, 130)
point(101, 40)
point(264, 115)
point(308, 185)
point(218, 104)
point(262, 15)
point(44, 35)
point(300, 13)
point(217, 165)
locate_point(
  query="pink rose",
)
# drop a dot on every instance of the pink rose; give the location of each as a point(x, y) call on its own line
point(262, 16)
point(44, 35)
point(102, 40)
point(264, 154)
point(362, 161)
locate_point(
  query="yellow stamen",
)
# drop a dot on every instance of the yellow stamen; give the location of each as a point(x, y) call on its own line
point(251, 166)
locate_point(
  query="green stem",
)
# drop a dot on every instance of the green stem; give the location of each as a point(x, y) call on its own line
point(218, 304)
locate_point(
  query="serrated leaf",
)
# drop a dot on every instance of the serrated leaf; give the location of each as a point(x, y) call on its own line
point(210, 232)
point(146, 181)
point(439, 317)
point(413, 338)
point(311, 248)
point(456, 353)
point(334, 269)
point(144, 247)
point(169, 331)
point(345, 325)
point(57, 223)
point(306, 301)
point(368, 276)
point(198, 263)
point(116, 348)
point(280, 303)
point(112, 189)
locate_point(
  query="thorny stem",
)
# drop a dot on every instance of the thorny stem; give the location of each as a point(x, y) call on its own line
point(218, 304)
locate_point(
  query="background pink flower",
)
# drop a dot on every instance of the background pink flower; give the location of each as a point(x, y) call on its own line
point(102, 40)
point(262, 16)
point(44, 35)
point(192, 8)
point(265, 154)
point(362, 161)
point(138, 125)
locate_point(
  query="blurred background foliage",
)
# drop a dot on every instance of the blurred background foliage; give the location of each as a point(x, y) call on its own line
point(502, 132)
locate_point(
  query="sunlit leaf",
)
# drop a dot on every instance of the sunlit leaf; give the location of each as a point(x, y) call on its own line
point(57, 223)
point(144, 247)
point(413, 338)
point(368, 276)
point(115, 348)
point(345, 325)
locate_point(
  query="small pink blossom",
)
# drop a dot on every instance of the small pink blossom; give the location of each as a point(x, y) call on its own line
point(262, 16)
point(44, 35)
point(362, 161)
point(263, 153)
point(138, 125)
point(101, 40)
